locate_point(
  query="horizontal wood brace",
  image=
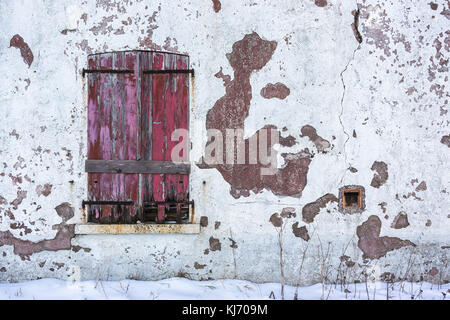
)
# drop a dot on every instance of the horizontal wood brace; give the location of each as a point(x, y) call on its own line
point(106, 71)
point(136, 166)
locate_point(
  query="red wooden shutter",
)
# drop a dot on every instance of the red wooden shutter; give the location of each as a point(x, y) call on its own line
point(131, 116)
point(165, 111)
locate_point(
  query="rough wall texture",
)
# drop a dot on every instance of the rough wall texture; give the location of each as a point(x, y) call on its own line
point(357, 89)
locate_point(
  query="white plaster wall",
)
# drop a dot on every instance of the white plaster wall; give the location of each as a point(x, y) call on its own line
point(317, 54)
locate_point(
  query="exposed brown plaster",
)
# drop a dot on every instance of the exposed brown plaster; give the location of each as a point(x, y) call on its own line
point(301, 232)
point(20, 225)
point(446, 13)
point(216, 5)
point(433, 5)
point(21, 194)
point(61, 241)
point(310, 132)
point(346, 259)
point(320, 3)
point(16, 179)
point(312, 209)
point(372, 245)
point(433, 271)
point(65, 31)
point(355, 25)
point(229, 112)
point(25, 51)
point(214, 244)
point(400, 221)
point(225, 77)
point(14, 134)
point(428, 223)
point(446, 140)
point(276, 220)
point(288, 212)
point(233, 244)
point(78, 248)
point(199, 266)
point(204, 221)
point(383, 206)
point(216, 225)
point(422, 186)
point(381, 174)
point(277, 90)
point(44, 190)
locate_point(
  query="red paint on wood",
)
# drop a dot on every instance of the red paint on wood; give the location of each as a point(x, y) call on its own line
point(132, 117)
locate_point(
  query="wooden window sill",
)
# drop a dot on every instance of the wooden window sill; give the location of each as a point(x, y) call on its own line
point(143, 228)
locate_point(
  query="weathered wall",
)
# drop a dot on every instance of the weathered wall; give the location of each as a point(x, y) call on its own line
point(357, 88)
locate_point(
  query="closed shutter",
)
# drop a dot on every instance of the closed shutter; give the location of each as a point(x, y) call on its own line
point(132, 112)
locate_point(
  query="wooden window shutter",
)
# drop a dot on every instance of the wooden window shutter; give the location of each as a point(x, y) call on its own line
point(136, 100)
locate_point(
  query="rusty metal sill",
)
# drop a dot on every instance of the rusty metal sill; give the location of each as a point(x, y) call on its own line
point(144, 228)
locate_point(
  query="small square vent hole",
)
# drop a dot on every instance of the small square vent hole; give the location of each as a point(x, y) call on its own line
point(352, 199)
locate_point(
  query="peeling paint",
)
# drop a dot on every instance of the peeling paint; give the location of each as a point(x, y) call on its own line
point(381, 174)
point(312, 209)
point(25, 51)
point(372, 245)
point(277, 90)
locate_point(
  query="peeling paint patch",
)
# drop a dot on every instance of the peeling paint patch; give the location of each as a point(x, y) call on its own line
point(355, 26)
point(276, 220)
point(277, 90)
point(78, 248)
point(301, 232)
point(61, 241)
point(312, 209)
point(199, 266)
point(204, 221)
point(320, 143)
point(25, 51)
point(229, 112)
point(21, 194)
point(44, 190)
point(422, 186)
point(214, 244)
point(372, 245)
point(216, 5)
point(446, 140)
point(14, 134)
point(233, 244)
point(400, 221)
point(320, 3)
point(381, 174)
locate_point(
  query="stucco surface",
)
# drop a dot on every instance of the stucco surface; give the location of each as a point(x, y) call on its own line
point(379, 108)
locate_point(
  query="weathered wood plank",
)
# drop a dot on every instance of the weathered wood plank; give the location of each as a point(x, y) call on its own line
point(142, 166)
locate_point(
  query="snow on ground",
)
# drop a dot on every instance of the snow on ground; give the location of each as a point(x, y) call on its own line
point(181, 288)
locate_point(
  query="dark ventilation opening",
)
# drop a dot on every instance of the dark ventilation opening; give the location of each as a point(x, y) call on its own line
point(352, 199)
